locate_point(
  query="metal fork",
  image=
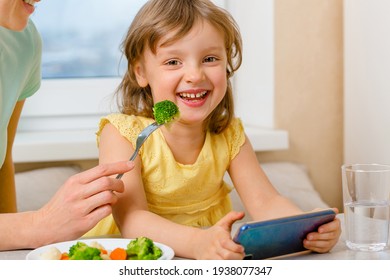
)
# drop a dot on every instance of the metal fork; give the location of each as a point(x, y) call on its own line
point(141, 139)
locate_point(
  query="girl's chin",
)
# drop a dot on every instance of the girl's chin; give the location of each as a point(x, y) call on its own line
point(192, 119)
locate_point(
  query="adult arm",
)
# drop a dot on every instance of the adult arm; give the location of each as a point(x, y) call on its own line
point(7, 170)
point(80, 203)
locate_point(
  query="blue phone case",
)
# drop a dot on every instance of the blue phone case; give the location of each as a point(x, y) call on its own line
point(278, 237)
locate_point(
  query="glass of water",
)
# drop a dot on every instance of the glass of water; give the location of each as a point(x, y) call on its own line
point(366, 197)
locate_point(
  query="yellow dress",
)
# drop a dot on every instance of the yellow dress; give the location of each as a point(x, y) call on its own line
point(193, 194)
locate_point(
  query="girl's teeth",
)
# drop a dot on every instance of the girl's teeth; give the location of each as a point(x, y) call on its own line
point(193, 95)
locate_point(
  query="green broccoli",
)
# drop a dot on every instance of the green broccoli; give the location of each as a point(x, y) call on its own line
point(143, 248)
point(76, 247)
point(165, 111)
point(81, 251)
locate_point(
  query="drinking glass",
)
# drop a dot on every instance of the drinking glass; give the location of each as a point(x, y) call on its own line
point(366, 197)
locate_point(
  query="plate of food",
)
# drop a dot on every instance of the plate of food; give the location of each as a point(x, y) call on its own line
point(141, 248)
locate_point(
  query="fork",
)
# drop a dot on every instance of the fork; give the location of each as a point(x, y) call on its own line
point(140, 140)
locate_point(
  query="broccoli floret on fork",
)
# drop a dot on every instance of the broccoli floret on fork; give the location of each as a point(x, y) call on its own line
point(165, 111)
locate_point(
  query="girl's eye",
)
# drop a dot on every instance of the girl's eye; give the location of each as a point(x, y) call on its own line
point(210, 59)
point(173, 62)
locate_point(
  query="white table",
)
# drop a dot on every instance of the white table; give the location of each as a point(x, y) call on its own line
point(342, 252)
point(339, 252)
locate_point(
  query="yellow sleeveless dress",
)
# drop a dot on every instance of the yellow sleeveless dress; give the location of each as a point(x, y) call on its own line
point(193, 194)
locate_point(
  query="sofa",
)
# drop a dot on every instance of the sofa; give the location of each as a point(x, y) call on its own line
point(34, 188)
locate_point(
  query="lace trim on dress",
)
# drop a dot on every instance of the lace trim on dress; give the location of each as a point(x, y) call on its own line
point(237, 136)
point(128, 125)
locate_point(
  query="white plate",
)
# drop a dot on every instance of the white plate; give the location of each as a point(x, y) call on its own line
point(107, 243)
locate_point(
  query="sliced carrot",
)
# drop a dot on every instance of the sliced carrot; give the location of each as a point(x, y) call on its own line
point(118, 254)
point(103, 251)
point(64, 256)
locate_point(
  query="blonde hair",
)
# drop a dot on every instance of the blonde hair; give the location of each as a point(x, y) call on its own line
point(156, 19)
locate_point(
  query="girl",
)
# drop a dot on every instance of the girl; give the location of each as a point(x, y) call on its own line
point(186, 51)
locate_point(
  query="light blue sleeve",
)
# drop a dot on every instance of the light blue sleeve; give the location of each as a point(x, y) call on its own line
point(35, 75)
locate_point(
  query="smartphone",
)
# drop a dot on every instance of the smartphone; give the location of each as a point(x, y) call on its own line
point(280, 237)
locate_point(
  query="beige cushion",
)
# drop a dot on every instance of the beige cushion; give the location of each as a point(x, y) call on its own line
point(292, 181)
point(34, 188)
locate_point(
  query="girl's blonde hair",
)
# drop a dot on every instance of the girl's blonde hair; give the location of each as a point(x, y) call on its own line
point(156, 19)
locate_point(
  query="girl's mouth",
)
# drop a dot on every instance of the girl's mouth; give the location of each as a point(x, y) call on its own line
point(193, 97)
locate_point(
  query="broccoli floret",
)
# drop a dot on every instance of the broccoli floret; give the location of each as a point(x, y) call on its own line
point(143, 248)
point(81, 251)
point(165, 111)
point(76, 247)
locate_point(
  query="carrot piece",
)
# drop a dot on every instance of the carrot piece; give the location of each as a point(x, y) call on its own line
point(64, 256)
point(118, 254)
point(103, 251)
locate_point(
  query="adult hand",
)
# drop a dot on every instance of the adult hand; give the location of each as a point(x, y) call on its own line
point(80, 203)
point(216, 243)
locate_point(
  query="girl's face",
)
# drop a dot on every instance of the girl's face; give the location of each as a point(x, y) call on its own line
point(190, 72)
point(14, 14)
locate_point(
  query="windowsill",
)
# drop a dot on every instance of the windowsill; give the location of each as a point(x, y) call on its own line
point(263, 139)
point(42, 146)
point(81, 144)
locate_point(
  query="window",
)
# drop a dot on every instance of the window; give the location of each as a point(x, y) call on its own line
point(81, 62)
point(80, 41)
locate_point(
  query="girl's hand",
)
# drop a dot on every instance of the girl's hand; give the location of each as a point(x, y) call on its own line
point(325, 238)
point(215, 243)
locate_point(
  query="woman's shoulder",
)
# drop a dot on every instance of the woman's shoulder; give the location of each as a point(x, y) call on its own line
point(32, 28)
point(31, 33)
point(21, 40)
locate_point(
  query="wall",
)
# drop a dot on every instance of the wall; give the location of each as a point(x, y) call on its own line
point(309, 90)
point(367, 83)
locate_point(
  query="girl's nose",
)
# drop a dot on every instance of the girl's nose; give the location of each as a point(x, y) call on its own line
point(194, 74)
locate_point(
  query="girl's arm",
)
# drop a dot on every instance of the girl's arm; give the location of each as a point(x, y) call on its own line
point(133, 218)
point(263, 202)
point(259, 197)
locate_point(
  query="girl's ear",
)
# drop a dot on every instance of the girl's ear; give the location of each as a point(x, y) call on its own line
point(140, 75)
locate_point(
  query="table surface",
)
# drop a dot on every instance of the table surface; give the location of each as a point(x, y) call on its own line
point(339, 252)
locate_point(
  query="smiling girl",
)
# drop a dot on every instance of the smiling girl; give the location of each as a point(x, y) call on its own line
point(186, 51)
